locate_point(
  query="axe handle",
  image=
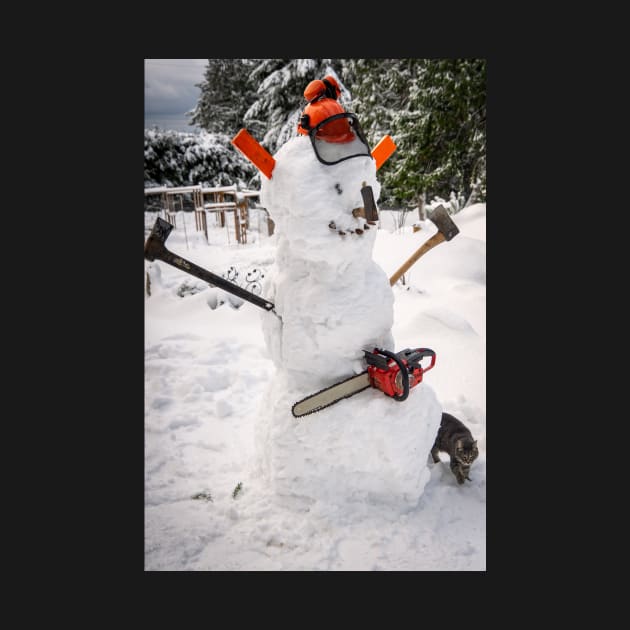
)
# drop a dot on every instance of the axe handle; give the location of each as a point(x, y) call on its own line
point(436, 239)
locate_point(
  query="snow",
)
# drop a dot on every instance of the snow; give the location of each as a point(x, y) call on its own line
point(351, 487)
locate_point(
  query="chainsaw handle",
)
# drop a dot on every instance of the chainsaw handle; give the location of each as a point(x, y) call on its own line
point(404, 374)
point(415, 356)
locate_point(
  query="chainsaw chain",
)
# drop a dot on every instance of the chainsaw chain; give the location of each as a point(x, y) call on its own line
point(308, 413)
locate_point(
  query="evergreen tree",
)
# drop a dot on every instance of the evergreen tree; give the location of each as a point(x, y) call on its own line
point(435, 110)
point(273, 117)
point(441, 130)
point(380, 90)
point(226, 94)
point(172, 158)
point(377, 87)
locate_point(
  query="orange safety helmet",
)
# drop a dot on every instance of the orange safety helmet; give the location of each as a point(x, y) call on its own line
point(314, 113)
point(322, 98)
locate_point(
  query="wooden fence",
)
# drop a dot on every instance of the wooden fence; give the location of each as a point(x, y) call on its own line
point(216, 201)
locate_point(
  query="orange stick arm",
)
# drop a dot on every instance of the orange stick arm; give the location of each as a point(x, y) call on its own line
point(254, 152)
point(383, 150)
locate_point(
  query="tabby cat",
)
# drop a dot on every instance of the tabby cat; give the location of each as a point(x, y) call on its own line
point(455, 439)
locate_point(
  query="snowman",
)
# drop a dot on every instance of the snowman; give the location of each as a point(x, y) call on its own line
point(332, 302)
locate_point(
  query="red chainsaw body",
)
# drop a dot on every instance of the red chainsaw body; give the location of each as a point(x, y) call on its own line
point(389, 379)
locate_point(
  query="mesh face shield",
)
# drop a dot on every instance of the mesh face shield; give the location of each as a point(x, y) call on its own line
point(339, 138)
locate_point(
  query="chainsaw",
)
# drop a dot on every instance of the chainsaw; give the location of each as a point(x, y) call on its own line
point(395, 374)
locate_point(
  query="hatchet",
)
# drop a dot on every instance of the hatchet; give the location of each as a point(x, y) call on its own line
point(446, 231)
point(155, 248)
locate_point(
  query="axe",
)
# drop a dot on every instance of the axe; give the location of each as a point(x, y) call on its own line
point(155, 248)
point(446, 231)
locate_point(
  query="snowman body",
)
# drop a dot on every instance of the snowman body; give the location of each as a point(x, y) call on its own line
point(332, 301)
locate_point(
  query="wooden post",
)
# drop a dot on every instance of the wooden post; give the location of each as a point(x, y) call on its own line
point(422, 214)
point(197, 199)
point(219, 199)
point(246, 211)
point(270, 224)
point(237, 225)
point(241, 216)
point(198, 204)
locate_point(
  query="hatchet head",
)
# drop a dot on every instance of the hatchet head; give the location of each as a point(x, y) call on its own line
point(443, 221)
point(154, 247)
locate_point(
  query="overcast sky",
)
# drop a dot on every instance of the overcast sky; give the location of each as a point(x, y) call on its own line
point(170, 90)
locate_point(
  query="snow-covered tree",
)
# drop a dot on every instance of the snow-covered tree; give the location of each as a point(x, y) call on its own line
point(435, 109)
point(273, 117)
point(226, 94)
point(173, 158)
point(442, 129)
point(379, 88)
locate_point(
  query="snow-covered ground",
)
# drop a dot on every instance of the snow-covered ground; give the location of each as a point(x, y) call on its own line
point(206, 371)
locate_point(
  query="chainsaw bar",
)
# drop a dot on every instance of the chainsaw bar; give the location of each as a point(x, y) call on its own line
point(330, 395)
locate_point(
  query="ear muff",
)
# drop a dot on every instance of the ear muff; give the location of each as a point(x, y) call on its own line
point(314, 90)
point(331, 90)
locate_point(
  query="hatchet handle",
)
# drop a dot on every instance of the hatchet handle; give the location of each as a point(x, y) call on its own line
point(163, 254)
point(436, 239)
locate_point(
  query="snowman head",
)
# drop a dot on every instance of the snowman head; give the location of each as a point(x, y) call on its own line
point(316, 186)
point(335, 134)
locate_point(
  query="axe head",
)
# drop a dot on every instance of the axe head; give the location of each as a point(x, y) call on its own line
point(371, 212)
point(154, 246)
point(443, 221)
